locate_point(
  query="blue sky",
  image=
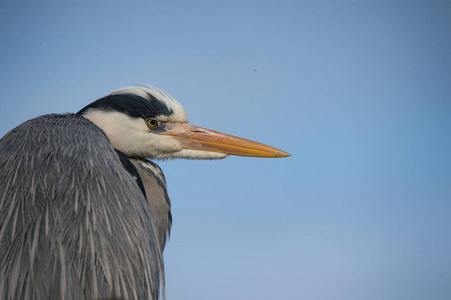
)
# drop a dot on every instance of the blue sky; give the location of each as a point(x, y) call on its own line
point(359, 92)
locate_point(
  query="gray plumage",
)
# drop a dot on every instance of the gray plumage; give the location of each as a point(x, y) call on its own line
point(156, 194)
point(62, 188)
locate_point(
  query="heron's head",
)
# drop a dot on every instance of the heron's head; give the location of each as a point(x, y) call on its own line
point(148, 122)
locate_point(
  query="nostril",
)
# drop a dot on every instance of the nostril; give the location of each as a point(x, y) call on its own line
point(197, 130)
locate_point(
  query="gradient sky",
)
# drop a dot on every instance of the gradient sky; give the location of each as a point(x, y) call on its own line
point(359, 92)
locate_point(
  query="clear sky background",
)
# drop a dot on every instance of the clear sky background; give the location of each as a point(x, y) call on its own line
point(359, 92)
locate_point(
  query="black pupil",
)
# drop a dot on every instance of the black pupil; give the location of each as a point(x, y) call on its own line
point(153, 122)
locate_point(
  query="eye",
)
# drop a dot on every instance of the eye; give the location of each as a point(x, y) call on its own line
point(152, 123)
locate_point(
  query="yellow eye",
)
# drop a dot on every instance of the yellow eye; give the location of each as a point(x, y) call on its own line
point(152, 123)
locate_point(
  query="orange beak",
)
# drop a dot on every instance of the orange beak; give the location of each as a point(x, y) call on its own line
point(198, 138)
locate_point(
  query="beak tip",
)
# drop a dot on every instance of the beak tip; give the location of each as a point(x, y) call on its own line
point(283, 154)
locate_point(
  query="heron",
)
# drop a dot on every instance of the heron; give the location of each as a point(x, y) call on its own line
point(84, 212)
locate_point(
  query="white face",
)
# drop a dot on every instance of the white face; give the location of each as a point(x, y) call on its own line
point(134, 137)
